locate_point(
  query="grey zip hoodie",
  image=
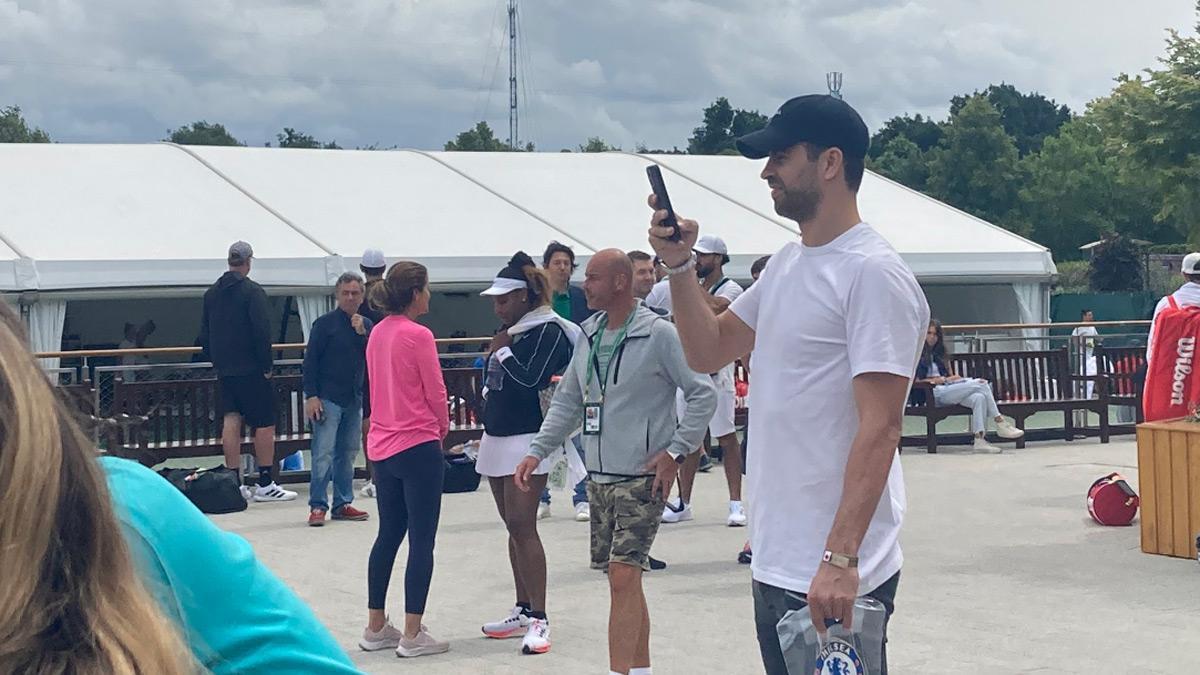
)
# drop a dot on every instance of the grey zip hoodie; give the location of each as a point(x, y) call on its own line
point(638, 419)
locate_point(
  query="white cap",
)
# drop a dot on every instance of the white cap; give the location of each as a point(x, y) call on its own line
point(504, 286)
point(1191, 263)
point(372, 258)
point(711, 244)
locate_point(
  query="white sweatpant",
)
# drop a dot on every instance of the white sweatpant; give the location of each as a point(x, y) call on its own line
point(975, 394)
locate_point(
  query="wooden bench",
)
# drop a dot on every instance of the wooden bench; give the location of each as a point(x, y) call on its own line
point(1125, 368)
point(1024, 383)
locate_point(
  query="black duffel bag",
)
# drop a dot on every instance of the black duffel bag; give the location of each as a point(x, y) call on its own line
point(461, 475)
point(215, 490)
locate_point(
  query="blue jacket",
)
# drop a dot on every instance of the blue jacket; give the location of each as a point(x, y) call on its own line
point(917, 396)
point(336, 359)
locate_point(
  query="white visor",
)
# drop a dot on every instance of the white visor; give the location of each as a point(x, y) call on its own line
point(503, 286)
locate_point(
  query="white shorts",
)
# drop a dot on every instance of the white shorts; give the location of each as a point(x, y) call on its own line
point(721, 423)
point(500, 455)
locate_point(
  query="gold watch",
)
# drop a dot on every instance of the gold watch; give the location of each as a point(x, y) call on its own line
point(846, 562)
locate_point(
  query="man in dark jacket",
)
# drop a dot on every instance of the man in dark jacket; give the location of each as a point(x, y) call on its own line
point(235, 334)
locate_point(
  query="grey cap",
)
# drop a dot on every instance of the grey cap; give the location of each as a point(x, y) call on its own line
point(240, 253)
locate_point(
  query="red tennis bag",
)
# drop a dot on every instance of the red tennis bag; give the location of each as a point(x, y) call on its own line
point(1112, 502)
point(1173, 378)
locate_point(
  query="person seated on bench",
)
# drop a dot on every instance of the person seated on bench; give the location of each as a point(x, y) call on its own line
point(950, 389)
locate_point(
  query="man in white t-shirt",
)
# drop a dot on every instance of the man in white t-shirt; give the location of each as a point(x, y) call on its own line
point(836, 323)
point(1188, 294)
point(1085, 341)
point(720, 291)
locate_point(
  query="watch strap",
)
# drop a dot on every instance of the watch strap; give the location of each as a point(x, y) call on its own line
point(843, 561)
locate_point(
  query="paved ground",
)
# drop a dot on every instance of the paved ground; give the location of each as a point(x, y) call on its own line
point(1005, 574)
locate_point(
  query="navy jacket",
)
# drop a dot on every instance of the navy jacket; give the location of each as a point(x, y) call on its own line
point(336, 359)
point(512, 406)
point(235, 327)
point(917, 396)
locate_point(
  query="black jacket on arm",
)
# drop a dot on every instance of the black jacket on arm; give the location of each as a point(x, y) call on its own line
point(235, 327)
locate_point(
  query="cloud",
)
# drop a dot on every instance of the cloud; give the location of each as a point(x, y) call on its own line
point(415, 72)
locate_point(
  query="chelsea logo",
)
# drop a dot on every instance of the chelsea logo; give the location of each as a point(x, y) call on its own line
point(838, 658)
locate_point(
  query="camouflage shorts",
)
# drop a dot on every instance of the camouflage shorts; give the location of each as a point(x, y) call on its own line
point(625, 520)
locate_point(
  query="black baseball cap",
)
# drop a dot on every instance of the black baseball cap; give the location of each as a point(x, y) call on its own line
point(819, 119)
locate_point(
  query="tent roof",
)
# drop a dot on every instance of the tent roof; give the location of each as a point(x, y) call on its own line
point(121, 216)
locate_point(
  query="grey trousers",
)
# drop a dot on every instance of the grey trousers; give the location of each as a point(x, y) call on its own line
point(771, 603)
point(975, 395)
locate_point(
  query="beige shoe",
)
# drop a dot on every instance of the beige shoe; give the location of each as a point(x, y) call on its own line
point(423, 644)
point(387, 637)
point(981, 445)
point(1005, 429)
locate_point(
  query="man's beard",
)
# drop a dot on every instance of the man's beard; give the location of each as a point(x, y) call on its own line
point(799, 204)
point(703, 271)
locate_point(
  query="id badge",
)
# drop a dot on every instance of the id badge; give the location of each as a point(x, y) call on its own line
point(591, 419)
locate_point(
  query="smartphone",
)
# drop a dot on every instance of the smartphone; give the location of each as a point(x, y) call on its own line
point(661, 199)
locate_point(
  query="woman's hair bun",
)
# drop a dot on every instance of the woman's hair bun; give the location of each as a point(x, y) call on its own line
point(521, 259)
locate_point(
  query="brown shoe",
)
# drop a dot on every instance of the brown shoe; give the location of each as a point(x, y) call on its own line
point(316, 518)
point(348, 512)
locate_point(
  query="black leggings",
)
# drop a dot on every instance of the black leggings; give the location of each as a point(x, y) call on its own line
point(409, 499)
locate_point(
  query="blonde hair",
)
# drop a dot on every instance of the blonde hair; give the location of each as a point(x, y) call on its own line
point(72, 601)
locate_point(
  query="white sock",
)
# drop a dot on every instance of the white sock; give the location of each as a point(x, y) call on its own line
point(640, 671)
point(735, 504)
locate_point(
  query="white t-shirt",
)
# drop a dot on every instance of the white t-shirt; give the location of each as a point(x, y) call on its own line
point(659, 296)
point(1086, 332)
point(821, 316)
point(730, 290)
point(1188, 294)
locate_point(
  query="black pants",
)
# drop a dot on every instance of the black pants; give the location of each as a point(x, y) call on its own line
point(771, 603)
point(409, 499)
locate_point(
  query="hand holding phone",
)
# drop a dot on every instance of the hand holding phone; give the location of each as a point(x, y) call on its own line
point(661, 200)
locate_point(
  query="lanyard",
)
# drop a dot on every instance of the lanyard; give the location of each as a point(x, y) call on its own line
point(596, 350)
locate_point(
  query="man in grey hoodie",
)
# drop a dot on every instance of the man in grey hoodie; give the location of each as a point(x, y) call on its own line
point(621, 388)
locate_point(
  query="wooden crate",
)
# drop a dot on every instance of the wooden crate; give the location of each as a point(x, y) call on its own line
point(1169, 480)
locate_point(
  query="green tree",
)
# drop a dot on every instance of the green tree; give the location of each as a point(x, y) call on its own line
point(921, 131)
point(975, 166)
point(1028, 118)
point(722, 126)
point(597, 144)
point(904, 162)
point(479, 139)
point(290, 138)
point(643, 149)
point(202, 133)
point(14, 128)
point(1116, 266)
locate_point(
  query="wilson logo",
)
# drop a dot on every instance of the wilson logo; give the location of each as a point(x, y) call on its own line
point(1183, 368)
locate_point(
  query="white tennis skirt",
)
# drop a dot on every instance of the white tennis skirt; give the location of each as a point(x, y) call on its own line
point(500, 455)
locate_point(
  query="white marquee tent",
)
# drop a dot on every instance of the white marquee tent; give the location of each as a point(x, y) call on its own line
point(154, 221)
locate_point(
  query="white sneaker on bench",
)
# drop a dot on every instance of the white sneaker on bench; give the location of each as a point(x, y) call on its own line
point(1005, 429)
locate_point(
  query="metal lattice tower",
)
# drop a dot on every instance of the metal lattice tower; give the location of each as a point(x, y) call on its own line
point(513, 140)
point(833, 80)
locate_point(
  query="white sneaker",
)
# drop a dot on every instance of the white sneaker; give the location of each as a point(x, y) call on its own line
point(273, 493)
point(387, 637)
point(981, 445)
point(423, 644)
point(543, 511)
point(368, 490)
point(583, 512)
point(676, 512)
point(737, 515)
point(1005, 429)
point(247, 493)
point(510, 627)
point(537, 638)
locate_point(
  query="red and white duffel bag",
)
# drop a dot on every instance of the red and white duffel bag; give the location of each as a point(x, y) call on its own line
point(1111, 501)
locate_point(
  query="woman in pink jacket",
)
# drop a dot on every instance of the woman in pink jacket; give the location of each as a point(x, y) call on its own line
point(409, 419)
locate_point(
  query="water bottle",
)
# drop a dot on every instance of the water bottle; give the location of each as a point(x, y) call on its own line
point(858, 651)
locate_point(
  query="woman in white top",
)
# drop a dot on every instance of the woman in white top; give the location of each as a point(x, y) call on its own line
point(950, 389)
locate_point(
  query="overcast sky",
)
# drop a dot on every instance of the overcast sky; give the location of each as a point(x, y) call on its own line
point(415, 72)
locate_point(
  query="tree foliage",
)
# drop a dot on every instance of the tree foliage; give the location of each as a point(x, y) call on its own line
point(597, 144)
point(923, 132)
point(480, 138)
point(202, 133)
point(721, 127)
point(290, 138)
point(1028, 118)
point(14, 128)
point(976, 165)
point(1116, 266)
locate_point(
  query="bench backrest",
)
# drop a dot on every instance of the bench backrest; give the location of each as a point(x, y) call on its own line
point(1019, 376)
point(1123, 366)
